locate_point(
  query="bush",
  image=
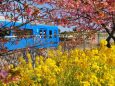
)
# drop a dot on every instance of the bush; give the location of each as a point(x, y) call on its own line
point(95, 67)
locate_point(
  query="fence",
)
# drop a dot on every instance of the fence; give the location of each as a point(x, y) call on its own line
point(82, 40)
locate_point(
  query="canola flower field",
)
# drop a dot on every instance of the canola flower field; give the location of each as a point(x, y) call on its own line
point(94, 67)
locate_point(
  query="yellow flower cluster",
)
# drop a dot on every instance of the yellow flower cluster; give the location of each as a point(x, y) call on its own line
point(95, 67)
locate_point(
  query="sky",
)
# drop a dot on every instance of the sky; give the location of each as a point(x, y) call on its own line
point(63, 29)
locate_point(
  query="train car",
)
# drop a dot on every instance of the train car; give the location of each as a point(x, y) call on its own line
point(29, 35)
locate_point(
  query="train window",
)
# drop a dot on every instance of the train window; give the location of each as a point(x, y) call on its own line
point(44, 33)
point(55, 33)
point(23, 32)
point(50, 34)
point(4, 33)
point(40, 32)
point(28, 31)
point(17, 33)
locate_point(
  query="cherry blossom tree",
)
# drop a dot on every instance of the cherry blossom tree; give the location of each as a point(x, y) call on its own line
point(83, 14)
point(86, 15)
point(25, 11)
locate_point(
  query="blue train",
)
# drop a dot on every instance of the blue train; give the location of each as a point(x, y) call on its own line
point(38, 36)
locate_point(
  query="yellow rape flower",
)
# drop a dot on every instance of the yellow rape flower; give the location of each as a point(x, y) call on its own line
point(28, 55)
point(86, 83)
point(79, 75)
point(30, 66)
point(103, 42)
point(50, 62)
point(93, 79)
point(95, 51)
point(45, 70)
point(95, 66)
point(52, 81)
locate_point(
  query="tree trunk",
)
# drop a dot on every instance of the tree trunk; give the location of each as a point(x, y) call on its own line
point(108, 41)
point(111, 36)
